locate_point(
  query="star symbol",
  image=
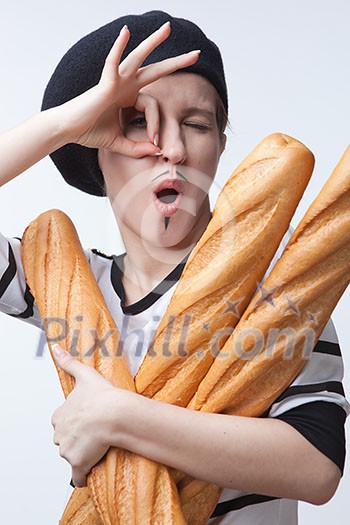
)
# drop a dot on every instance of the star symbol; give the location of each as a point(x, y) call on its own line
point(292, 305)
point(313, 318)
point(231, 307)
point(266, 295)
point(205, 326)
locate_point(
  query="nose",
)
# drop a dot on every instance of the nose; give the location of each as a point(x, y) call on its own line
point(172, 144)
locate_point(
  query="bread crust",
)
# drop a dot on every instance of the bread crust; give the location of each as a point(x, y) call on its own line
point(214, 383)
point(250, 218)
point(289, 314)
point(294, 306)
point(123, 486)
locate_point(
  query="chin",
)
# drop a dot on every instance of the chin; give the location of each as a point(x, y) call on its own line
point(166, 239)
point(173, 233)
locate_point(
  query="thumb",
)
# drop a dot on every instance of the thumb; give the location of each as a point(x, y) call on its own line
point(65, 361)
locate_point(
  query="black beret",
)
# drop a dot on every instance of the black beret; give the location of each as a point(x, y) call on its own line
point(81, 68)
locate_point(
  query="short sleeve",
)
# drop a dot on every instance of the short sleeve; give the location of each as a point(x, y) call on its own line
point(320, 379)
point(15, 297)
point(323, 425)
point(315, 403)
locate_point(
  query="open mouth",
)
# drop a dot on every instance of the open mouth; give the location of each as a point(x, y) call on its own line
point(168, 195)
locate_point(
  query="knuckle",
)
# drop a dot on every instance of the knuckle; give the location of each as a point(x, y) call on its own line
point(135, 151)
point(66, 359)
point(56, 416)
point(123, 70)
point(148, 100)
point(77, 462)
point(64, 452)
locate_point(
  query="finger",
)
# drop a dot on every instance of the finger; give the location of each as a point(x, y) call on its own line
point(54, 418)
point(137, 56)
point(152, 72)
point(78, 478)
point(78, 474)
point(68, 363)
point(133, 149)
point(110, 69)
point(149, 106)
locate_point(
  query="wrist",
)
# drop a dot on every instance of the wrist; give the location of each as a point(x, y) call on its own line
point(57, 135)
point(121, 416)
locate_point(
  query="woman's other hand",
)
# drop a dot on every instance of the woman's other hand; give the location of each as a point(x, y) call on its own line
point(81, 423)
point(92, 118)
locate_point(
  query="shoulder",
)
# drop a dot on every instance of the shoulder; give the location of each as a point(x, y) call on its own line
point(99, 262)
point(106, 268)
point(101, 254)
point(95, 256)
point(320, 379)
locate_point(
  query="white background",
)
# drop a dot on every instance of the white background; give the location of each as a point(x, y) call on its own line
point(287, 67)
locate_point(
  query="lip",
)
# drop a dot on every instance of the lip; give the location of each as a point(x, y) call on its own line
point(167, 210)
point(175, 184)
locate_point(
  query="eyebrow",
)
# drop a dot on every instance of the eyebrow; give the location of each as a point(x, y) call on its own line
point(190, 110)
point(201, 111)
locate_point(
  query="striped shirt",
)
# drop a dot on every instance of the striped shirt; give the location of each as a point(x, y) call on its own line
point(314, 403)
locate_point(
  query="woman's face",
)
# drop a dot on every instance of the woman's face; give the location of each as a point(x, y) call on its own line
point(161, 199)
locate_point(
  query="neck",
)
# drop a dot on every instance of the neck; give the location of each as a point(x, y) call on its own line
point(146, 265)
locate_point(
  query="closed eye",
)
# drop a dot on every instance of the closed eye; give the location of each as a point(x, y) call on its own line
point(195, 125)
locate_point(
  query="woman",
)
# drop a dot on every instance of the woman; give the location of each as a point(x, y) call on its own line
point(124, 136)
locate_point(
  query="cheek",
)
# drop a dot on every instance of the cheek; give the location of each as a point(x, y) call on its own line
point(208, 158)
point(129, 202)
point(118, 172)
point(127, 185)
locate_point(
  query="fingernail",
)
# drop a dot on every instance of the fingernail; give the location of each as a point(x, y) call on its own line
point(57, 350)
point(123, 29)
point(165, 25)
point(158, 154)
point(156, 139)
point(197, 51)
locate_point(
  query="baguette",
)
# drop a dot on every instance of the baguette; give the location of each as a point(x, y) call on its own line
point(251, 215)
point(189, 492)
point(298, 298)
point(276, 156)
point(80, 509)
point(125, 488)
point(331, 207)
point(297, 301)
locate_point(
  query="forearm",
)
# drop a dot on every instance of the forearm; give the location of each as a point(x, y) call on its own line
point(31, 141)
point(263, 456)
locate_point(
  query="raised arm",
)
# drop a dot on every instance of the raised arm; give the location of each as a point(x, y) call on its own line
point(92, 119)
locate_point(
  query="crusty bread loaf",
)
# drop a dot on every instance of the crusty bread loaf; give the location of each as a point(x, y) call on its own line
point(80, 509)
point(285, 319)
point(251, 215)
point(192, 492)
point(123, 486)
point(261, 212)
